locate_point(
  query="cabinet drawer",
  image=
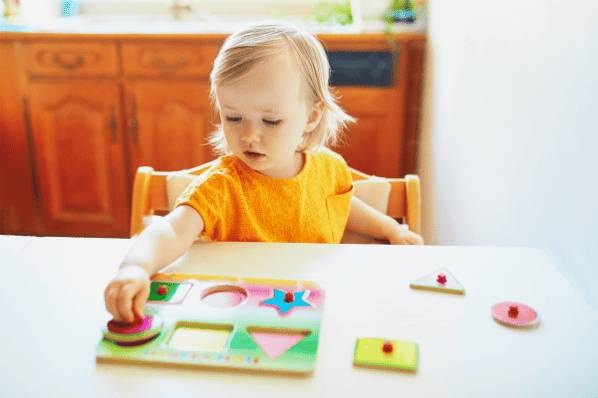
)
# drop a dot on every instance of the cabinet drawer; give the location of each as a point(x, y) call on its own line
point(71, 59)
point(168, 59)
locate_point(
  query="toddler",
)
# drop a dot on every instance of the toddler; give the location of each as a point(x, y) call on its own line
point(275, 181)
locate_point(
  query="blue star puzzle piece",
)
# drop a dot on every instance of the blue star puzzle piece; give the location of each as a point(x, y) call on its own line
point(283, 306)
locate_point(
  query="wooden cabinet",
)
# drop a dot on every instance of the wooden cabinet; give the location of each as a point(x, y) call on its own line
point(70, 58)
point(372, 144)
point(162, 58)
point(168, 124)
point(80, 114)
point(166, 98)
point(92, 125)
point(74, 118)
point(79, 156)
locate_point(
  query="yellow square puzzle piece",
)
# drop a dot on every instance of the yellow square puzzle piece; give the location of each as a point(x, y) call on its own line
point(386, 353)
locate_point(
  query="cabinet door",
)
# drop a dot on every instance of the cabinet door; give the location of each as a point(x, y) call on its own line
point(373, 145)
point(168, 123)
point(80, 158)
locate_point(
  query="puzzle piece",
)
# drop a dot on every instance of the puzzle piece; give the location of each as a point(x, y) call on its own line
point(441, 280)
point(206, 338)
point(276, 344)
point(284, 302)
point(386, 353)
point(138, 332)
point(514, 314)
point(168, 292)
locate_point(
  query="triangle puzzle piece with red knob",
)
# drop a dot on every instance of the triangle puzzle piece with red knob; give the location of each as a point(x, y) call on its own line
point(441, 280)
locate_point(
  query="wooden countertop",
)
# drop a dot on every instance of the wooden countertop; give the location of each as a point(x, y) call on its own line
point(80, 28)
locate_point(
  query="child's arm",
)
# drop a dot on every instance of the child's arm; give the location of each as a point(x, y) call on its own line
point(366, 220)
point(162, 242)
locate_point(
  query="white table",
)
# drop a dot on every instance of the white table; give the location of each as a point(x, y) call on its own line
point(11, 246)
point(52, 295)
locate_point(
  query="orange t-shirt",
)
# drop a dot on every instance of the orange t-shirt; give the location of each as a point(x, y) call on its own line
point(240, 204)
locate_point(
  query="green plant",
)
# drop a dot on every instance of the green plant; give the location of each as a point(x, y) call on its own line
point(331, 12)
point(398, 5)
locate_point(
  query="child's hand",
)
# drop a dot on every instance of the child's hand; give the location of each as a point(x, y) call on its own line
point(127, 293)
point(401, 236)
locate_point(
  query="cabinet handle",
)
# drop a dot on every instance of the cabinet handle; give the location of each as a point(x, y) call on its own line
point(159, 63)
point(113, 124)
point(134, 126)
point(69, 65)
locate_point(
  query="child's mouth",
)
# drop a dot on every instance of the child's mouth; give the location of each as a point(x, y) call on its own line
point(254, 155)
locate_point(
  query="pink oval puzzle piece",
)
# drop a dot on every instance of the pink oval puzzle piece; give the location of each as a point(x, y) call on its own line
point(515, 314)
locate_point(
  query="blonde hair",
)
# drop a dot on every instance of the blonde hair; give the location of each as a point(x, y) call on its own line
point(256, 46)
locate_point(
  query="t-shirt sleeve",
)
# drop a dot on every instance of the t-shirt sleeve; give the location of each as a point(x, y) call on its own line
point(342, 174)
point(339, 203)
point(207, 194)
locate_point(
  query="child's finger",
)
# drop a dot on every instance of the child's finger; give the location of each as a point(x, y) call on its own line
point(139, 301)
point(124, 303)
point(112, 298)
point(110, 295)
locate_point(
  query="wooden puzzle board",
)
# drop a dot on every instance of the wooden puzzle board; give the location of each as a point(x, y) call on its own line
point(227, 322)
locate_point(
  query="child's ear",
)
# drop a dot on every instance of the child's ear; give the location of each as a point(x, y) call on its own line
point(314, 116)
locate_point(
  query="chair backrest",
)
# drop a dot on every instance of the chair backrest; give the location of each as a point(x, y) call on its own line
point(150, 196)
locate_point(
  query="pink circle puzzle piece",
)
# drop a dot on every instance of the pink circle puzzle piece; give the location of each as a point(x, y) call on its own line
point(515, 314)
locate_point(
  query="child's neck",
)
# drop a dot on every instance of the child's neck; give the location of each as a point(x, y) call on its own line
point(292, 170)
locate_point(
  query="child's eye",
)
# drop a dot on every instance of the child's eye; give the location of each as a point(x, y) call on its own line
point(272, 122)
point(232, 119)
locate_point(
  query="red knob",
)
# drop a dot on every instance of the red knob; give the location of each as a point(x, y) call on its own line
point(441, 278)
point(288, 297)
point(513, 311)
point(162, 290)
point(387, 348)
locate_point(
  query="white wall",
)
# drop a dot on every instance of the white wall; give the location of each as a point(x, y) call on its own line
point(509, 141)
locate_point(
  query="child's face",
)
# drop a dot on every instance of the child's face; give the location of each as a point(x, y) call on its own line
point(264, 118)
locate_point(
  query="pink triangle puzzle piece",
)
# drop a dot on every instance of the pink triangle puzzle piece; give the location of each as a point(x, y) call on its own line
point(441, 280)
point(276, 344)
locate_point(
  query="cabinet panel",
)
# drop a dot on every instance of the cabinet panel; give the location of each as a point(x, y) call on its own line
point(168, 124)
point(159, 59)
point(412, 106)
point(71, 59)
point(78, 149)
point(374, 143)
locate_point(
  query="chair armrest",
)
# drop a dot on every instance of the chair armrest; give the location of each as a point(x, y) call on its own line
point(140, 199)
point(413, 203)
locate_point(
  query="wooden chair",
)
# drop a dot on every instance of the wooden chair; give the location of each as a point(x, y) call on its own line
point(150, 195)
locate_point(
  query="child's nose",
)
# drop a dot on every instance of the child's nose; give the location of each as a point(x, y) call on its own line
point(250, 133)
